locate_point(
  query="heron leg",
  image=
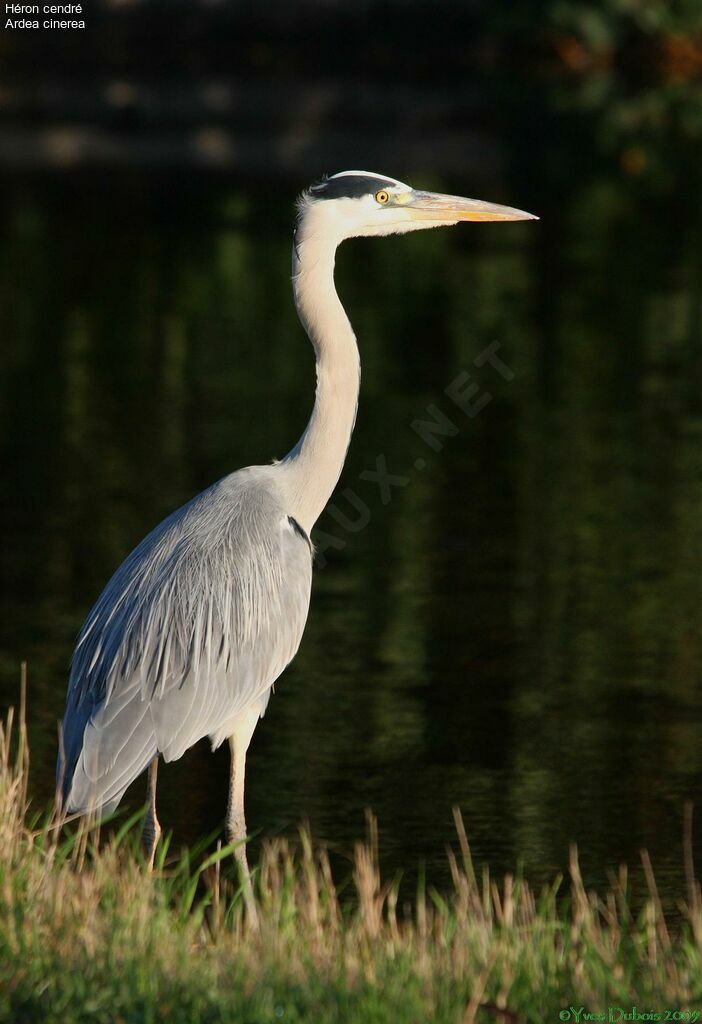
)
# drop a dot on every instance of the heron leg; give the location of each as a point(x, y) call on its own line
point(236, 820)
point(151, 832)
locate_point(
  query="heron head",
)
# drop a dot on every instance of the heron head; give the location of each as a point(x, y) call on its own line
point(354, 203)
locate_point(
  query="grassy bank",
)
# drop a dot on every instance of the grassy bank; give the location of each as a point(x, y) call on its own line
point(86, 934)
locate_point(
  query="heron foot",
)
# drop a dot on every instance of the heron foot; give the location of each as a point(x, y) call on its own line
point(150, 836)
point(236, 836)
point(151, 832)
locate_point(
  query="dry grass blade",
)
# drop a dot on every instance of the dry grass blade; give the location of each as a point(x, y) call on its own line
point(79, 915)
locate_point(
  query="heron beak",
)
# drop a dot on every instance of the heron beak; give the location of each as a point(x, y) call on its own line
point(437, 207)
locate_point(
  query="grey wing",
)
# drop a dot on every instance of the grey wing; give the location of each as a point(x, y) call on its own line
point(194, 628)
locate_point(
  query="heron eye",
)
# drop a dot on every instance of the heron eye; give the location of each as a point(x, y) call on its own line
point(382, 196)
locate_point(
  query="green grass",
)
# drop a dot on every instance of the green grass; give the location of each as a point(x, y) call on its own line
point(88, 934)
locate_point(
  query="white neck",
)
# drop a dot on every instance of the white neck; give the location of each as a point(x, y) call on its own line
point(313, 467)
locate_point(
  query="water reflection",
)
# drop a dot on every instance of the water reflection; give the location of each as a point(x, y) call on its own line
point(516, 632)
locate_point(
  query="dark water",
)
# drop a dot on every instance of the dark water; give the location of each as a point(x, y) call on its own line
point(517, 631)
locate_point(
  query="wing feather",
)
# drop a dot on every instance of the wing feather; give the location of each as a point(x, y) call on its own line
point(193, 628)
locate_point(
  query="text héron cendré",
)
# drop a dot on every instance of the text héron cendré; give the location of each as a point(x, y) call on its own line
point(43, 9)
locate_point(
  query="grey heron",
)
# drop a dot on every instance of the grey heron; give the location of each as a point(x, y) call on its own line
point(192, 630)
